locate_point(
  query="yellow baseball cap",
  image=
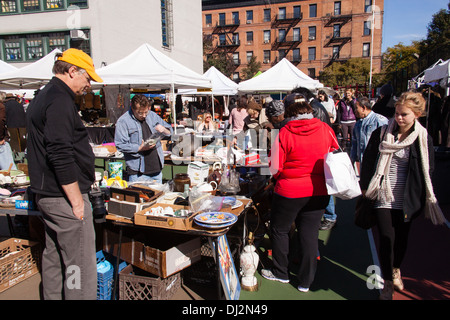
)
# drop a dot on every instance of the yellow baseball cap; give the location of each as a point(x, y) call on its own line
point(82, 60)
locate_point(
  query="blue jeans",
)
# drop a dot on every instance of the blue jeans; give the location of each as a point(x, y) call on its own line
point(143, 177)
point(330, 213)
point(6, 157)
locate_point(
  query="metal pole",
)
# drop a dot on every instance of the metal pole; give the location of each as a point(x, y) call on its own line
point(372, 27)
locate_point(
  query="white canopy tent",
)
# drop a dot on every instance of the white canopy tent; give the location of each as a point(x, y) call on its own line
point(32, 76)
point(221, 86)
point(282, 77)
point(147, 67)
point(5, 67)
point(438, 71)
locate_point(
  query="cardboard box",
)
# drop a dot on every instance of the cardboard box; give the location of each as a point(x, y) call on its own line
point(175, 223)
point(126, 209)
point(161, 253)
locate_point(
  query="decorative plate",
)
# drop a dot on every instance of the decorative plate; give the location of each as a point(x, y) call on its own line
point(215, 218)
point(215, 226)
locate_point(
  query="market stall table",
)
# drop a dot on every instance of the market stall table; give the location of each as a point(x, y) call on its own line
point(195, 230)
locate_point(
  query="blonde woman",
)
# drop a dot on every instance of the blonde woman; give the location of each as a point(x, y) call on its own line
point(396, 172)
point(207, 124)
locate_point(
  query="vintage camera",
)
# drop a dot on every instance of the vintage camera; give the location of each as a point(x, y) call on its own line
point(97, 198)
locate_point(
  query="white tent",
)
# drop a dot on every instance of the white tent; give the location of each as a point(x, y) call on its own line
point(221, 85)
point(5, 67)
point(147, 67)
point(438, 71)
point(282, 77)
point(32, 76)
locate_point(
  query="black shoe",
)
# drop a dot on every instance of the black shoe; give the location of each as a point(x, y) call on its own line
point(327, 224)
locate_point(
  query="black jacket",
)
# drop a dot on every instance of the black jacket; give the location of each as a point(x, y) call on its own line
point(15, 114)
point(320, 112)
point(58, 150)
point(414, 200)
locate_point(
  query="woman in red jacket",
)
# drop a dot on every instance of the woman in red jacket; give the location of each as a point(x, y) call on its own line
point(300, 193)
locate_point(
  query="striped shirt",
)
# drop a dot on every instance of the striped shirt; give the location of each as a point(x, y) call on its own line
point(398, 172)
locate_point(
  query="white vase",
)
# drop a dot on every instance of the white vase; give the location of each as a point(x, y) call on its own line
point(249, 263)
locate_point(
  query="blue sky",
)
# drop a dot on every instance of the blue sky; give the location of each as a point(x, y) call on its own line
point(407, 20)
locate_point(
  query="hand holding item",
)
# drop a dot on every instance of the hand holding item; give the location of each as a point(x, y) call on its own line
point(161, 129)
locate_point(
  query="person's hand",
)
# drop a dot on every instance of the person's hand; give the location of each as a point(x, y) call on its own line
point(161, 129)
point(78, 211)
point(145, 147)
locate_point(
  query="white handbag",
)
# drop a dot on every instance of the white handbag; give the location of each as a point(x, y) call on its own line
point(340, 176)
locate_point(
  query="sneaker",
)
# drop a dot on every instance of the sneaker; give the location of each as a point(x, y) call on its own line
point(267, 274)
point(327, 224)
point(302, 289)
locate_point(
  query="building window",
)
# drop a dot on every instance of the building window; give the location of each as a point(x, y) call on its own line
point(54, 4)
point(312, 53)
point(312, 72)
point(57, 41)
point(35, 49)
point(13, 48)
point(296, 34)
point(281, 54)
point(337, 8)
point(266, 56)
point(222, 39)
point(281, 35)
point(337, 31)
point(236, 60)
point(9, 6)
point(312, 33)
point(235, 17)
point(297, 12)
point(249, 37)
point(78, 3)
point(367, 6)
point(249, 15)
point(267, 17)
point(296, 55)
point(249, 56)
point(281, 13)
point(236, 76)
point(222, 19)
point(366, 50)
point(166, 23)
point(335, 52)
point(367, 28)
point(266, 36)
point(31, 5)
point(236, 38)
point(313, 10)
point(208, 20)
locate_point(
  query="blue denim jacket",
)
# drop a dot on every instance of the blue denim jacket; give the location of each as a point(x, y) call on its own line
point(362, 131)
point(128, 138)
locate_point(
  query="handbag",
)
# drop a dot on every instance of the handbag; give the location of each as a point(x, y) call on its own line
point(364, 213)
point(340, 176)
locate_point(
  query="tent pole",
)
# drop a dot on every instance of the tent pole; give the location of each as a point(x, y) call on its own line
point(174, 119)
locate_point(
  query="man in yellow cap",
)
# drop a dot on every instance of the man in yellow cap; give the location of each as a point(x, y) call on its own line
point(61, 169)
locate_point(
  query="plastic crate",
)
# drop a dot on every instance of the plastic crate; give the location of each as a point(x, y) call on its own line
point(136, 284)
point(105, 280)
point(19, 260)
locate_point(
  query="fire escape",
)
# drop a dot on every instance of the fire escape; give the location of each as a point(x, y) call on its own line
point(337, 39)
point(228, 42)
point(286, 43)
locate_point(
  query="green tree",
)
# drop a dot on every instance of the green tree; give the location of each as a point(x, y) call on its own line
point(438, 32)
point(400, 56)
point(353, 71)
point(252, 68)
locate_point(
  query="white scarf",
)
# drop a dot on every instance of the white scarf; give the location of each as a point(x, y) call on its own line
point(380, 188)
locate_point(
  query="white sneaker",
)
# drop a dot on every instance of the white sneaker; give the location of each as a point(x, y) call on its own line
point(302, 289)
point(267, 273)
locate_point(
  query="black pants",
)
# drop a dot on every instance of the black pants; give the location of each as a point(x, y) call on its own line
point(306, 213)
point(393, 231)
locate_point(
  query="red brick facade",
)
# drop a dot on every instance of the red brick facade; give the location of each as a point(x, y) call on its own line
point(311, 33)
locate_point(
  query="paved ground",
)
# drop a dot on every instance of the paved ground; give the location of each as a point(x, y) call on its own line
point(346, 253)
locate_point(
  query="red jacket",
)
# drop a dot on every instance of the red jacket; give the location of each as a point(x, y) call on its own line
point(297, 158)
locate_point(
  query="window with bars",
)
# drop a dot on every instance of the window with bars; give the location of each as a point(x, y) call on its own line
point(9, 6)
point(54, 4)
point(57, 41)
point(34, 47)
point(166, 23)
point(13, 48)
point(31, 5)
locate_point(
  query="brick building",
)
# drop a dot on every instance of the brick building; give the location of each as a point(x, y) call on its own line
point(311, 34)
